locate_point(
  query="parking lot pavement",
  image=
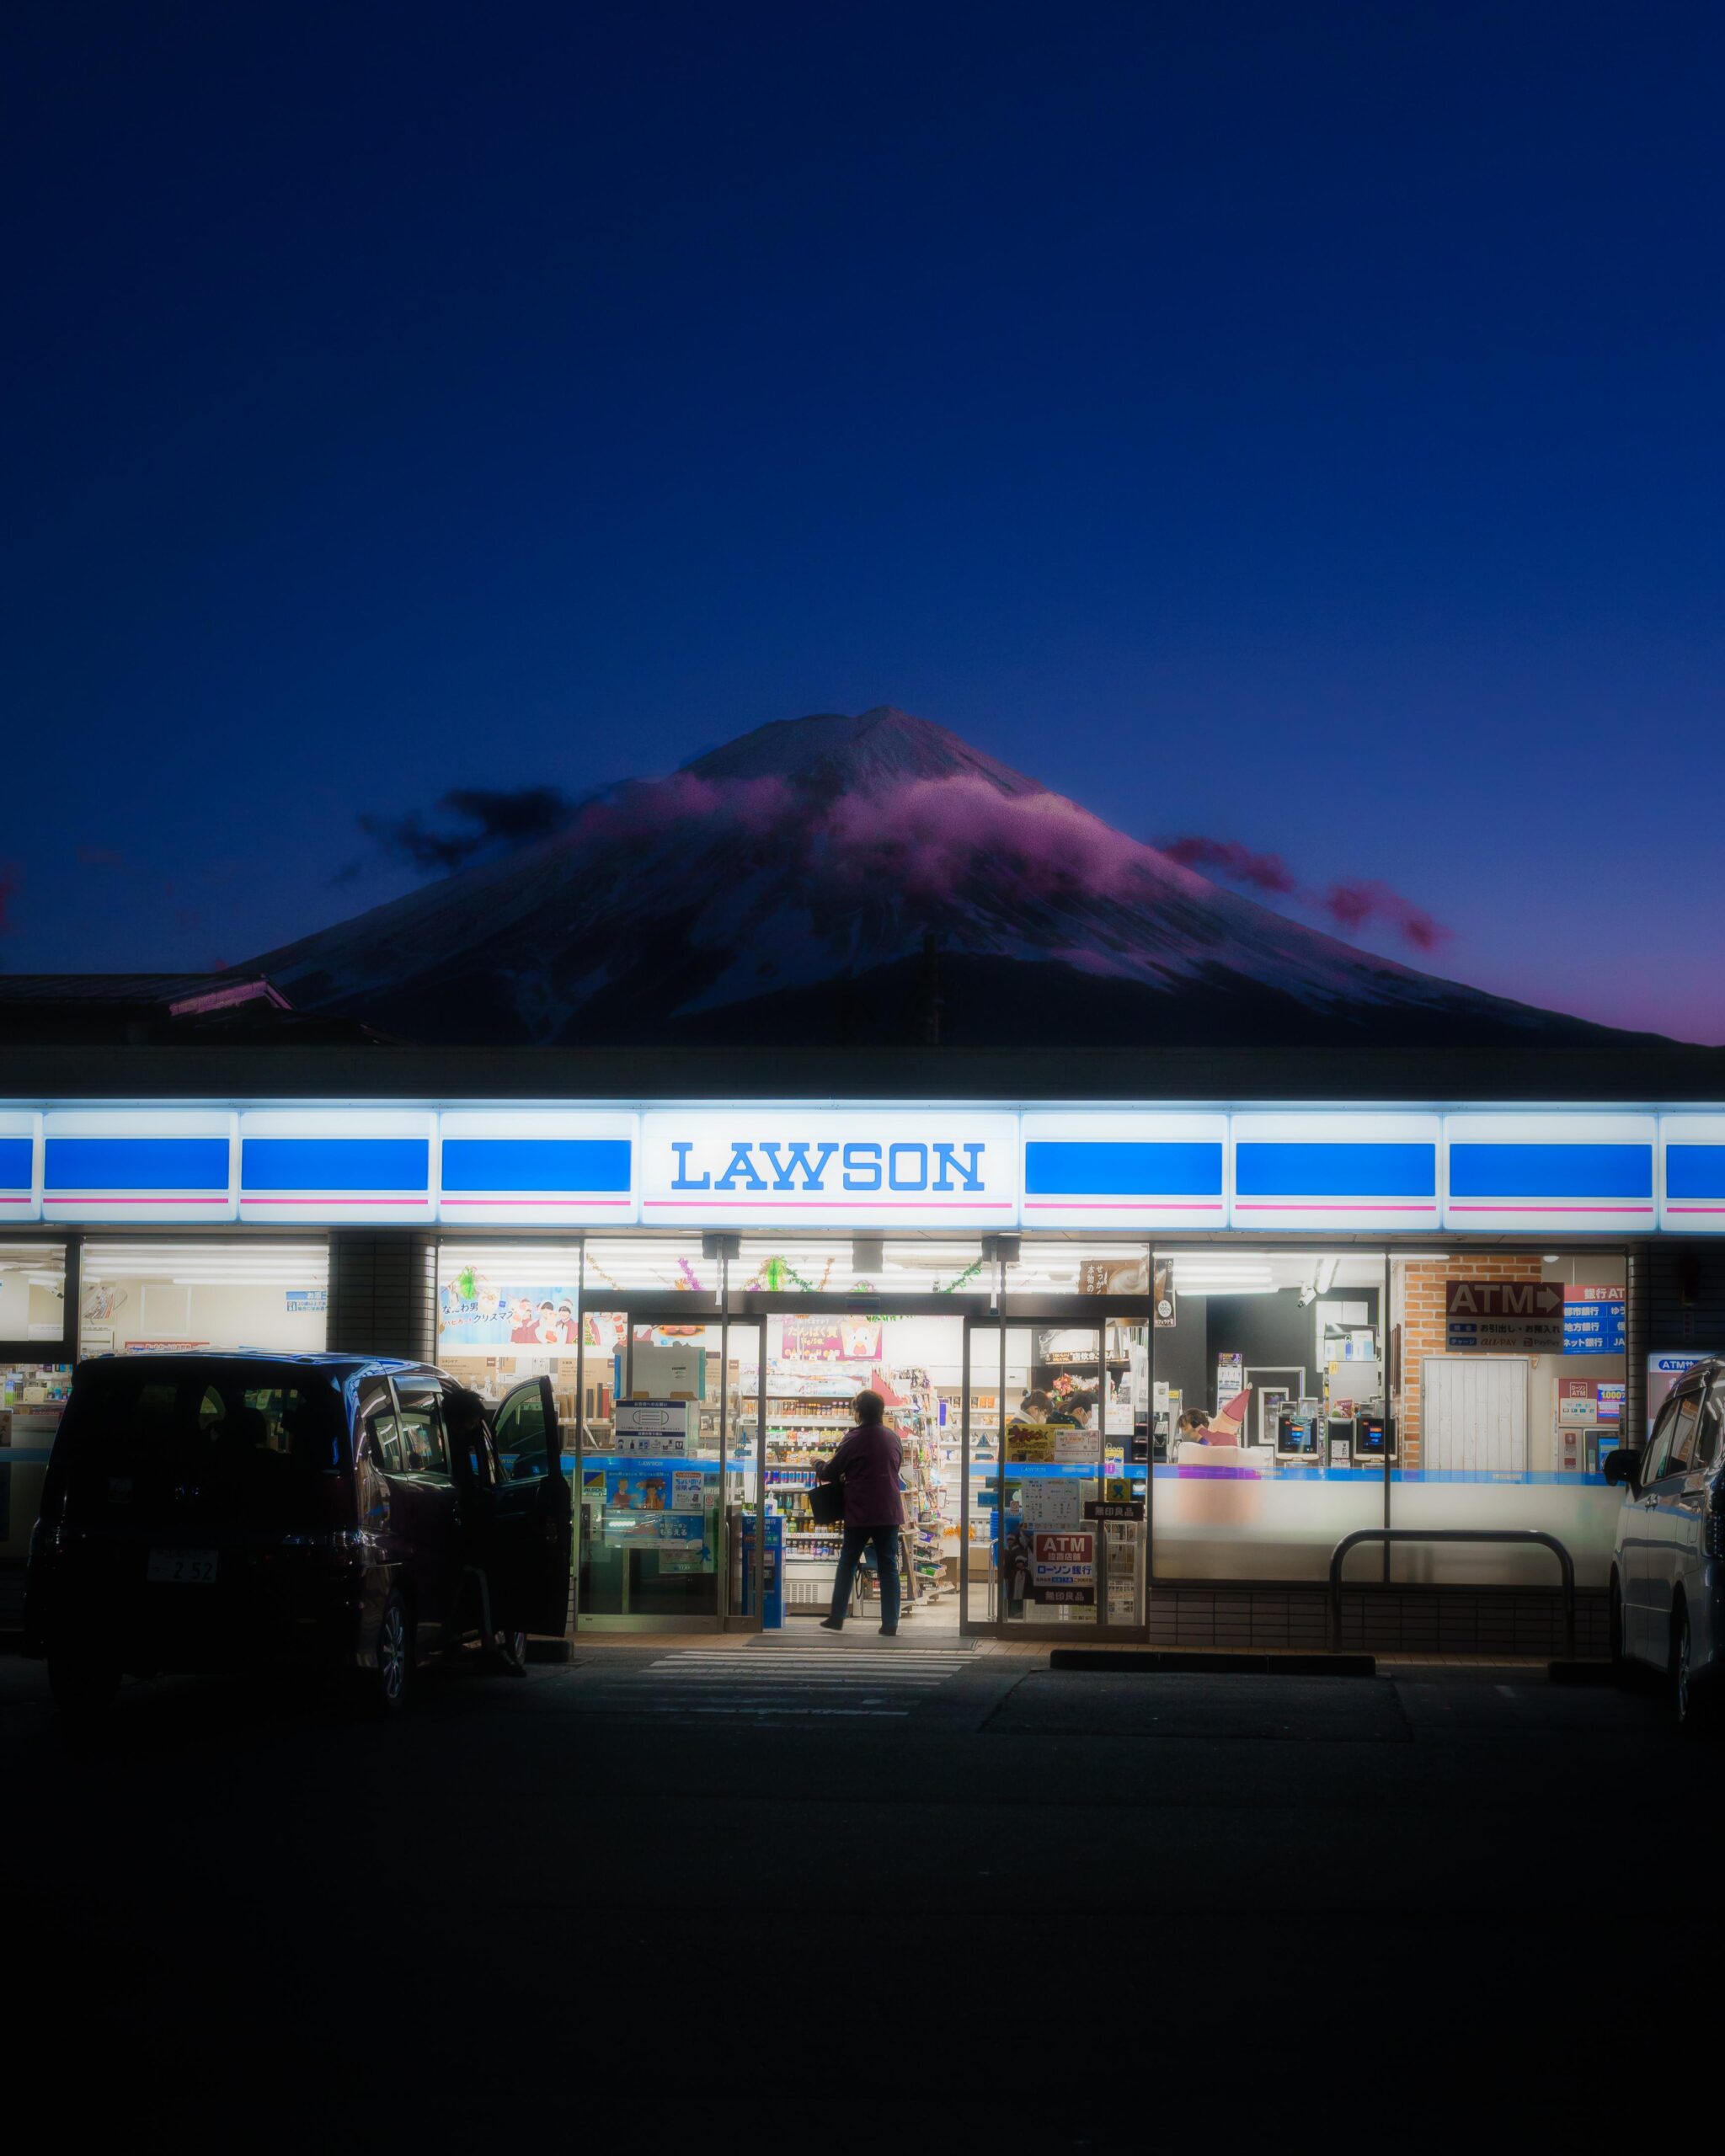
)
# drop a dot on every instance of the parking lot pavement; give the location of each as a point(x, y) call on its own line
point(1431, 1866)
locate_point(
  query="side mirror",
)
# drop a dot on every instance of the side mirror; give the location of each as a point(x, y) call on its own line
point(1624, 1465)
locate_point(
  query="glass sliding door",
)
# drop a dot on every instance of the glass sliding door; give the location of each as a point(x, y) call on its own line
point(1055, 1464)
point(665, 1508)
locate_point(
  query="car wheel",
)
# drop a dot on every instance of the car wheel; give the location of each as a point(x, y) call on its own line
point(1688, 1704)
point(509, 1653)
point(83, 1682)
point(393, 1676)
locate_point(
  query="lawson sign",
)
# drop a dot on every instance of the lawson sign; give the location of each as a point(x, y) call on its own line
point(832, 1167)
point(1312, 1170)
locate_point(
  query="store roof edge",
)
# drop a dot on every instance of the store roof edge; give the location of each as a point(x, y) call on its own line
point(222, 1071)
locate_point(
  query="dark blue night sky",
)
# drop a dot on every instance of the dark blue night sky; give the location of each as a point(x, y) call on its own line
point(1299, 425)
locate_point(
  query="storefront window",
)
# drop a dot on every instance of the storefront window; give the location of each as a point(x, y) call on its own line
point(236, 1295)
point(1508, 1379)
point(33, 1295)
point(32, 1396)
point(1268, 1410)
point(510, 1312)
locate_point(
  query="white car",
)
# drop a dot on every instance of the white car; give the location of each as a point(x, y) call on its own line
point(1668, 1570)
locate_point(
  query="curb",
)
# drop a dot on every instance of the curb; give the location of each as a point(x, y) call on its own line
point(1210, 1662)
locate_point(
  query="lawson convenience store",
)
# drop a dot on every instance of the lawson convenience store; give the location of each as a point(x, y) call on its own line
point(1430, 1317)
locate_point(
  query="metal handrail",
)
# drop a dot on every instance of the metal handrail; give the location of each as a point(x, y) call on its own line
point(1387, 1534)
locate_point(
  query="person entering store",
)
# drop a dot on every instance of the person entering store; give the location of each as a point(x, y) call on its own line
point(866, 1462)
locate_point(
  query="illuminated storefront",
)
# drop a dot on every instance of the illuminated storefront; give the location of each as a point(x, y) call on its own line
point(1430, 1317)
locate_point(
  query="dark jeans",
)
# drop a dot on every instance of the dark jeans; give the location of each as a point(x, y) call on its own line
point(886, 1557)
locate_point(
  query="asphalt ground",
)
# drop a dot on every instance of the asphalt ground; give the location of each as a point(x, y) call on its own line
point(673, 1897)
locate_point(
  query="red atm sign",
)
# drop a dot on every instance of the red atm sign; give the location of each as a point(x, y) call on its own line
point(1515, 1317)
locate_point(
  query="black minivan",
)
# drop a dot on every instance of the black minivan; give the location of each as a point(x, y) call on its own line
point(223, 1512)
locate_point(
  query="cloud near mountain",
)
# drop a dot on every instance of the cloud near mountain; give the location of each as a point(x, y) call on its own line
point(1363, 903)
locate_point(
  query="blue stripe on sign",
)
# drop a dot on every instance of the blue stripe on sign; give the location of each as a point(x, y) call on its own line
point(73, 1164)
point(1551, 1170)
point(1695, 1172)
point(335, 1164)
point(1058, 1168)
point(535, 1164)
point(1294, 1168)
point(15, 1164)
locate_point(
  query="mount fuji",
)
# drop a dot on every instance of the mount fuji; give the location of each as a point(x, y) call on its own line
point(871, 879)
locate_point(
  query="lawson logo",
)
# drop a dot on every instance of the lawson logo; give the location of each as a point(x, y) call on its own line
point(832, 1162)
point(828, 1165)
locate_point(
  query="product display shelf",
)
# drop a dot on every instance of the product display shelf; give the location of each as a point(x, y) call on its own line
point(802, 1421)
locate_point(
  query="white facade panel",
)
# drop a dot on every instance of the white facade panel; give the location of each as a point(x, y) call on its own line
point(1342, 1170)
point(139, 1165)
point(20, 1163)
point(1546, 1171)
point(1123, 1169)
point(342, 1167)
point(537, 1168)
point(1691, 1184)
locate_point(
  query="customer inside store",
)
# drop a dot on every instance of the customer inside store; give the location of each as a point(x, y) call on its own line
point(866, 1462)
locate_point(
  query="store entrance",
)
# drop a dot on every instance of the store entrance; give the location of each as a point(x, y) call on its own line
point(1057, 1439)
point(669, 1524)
point(819, 1353)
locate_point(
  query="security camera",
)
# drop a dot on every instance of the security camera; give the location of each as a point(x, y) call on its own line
point(1308, 1296)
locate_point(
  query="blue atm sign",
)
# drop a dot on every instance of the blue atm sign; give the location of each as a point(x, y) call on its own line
point(1594, 1320)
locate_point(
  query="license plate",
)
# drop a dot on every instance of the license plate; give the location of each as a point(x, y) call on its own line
point(183, 1567)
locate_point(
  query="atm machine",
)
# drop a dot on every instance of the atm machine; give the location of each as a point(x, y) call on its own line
point(1299, 1425)
point(1372, 1436)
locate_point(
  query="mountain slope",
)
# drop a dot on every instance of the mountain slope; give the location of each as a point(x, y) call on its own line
point(792, 884)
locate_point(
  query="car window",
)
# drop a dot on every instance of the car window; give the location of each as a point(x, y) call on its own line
point(1684, 1426)
point(378, 1415)
point(232, 1441)
point(1659, 1445)
point(1706, 1436)
point(523, 1449)
point(424, 1447)
point(1678, 1436)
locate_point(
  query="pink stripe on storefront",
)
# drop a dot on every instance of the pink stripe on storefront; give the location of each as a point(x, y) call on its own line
point(128, 1197)
point(1291, 1205)
point(1551, 1209)
point(534, 1201)
point(1123, 1204)
point(847, 1203)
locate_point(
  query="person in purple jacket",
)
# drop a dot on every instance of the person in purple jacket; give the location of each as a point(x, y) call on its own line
point(866, 1462)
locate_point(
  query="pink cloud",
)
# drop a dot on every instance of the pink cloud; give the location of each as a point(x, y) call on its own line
point(1362, 902)
point(929, 835)
point(1356, 905)
point(1238, 864)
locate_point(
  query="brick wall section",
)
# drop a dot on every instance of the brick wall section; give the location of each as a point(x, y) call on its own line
point(382, 1290)
point(1421, 1316)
